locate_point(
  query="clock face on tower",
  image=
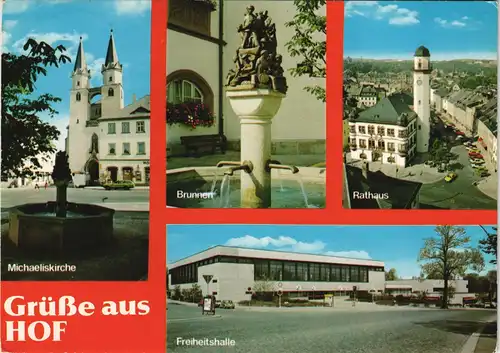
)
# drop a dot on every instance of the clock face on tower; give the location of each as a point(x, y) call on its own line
point(419, 82)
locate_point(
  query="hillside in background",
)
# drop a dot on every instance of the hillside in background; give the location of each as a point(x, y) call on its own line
point(488, 67)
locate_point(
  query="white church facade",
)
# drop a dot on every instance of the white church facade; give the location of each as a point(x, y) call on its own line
point(106, 139)
point(201, 43)
point(398, 126)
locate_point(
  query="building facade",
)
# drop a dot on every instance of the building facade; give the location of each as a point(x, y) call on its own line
point(236, 272)
point(430, 288)
point(107, 140)
point(397, 127)
point(202, 41)
point(385, 132)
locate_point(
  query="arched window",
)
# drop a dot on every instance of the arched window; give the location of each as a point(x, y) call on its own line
point(78, 97)
point(110, 79)
point(181, 91)
point(111, 92)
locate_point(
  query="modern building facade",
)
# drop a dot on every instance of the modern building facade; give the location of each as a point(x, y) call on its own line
point(238, 271)
point(202, 41)
point(235, 273)
point(430, 288)
point(106, 139)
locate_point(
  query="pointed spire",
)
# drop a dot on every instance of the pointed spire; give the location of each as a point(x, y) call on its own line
point(80, 63)
point(111, 56)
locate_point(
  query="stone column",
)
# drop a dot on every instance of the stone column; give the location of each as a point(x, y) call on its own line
point(255, 108)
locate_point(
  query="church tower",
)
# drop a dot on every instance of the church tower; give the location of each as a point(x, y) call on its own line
point(421, 97)
point(79, 112)
point(112, 77)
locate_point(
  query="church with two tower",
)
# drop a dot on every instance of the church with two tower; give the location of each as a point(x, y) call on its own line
point(398, 126)
point(107, 140)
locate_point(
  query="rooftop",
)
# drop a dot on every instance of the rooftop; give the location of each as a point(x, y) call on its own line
point(391, 110)
point(222, 250)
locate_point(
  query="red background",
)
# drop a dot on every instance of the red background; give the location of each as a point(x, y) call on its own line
point(121, 334)
point(147, 333)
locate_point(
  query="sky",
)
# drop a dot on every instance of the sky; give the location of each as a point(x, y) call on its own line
point(394, 29)
point(64, 22)
point(397, 246)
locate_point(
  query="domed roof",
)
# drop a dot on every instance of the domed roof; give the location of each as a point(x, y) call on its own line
point(422, 51)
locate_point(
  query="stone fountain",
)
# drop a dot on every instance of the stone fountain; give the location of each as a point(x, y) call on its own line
point(59, 227)
point(255, 89)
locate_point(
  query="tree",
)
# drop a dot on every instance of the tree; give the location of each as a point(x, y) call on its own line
point(448, 255)
point(488, 245)
point(391, 275)
point(25, 136)
point(308, 44)
point(177, 293)
point(195, 293)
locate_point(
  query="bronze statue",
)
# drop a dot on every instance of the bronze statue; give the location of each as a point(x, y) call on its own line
point(257, 63)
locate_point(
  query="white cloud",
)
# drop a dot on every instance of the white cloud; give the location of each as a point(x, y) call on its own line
point(61, 123)
point(132, 7)
point(451, 23)
point(6, 36)
point(290, 244)
point(95, 66)
point(9, 24)
point(393, 14)
point(281, 242)
point(355, 254)
point(15, 6)
point(71, 42)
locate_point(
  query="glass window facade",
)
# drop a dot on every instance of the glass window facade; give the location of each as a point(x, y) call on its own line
point(276, 270)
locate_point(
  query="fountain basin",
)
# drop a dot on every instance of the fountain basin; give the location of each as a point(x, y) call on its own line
point(285, 188)
point(35, 228)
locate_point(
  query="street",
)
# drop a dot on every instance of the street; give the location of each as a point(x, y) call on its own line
point(379, 330)
point(459, 194)
point(131, 200)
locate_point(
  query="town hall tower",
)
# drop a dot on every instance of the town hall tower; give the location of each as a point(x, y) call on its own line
point(421, 96)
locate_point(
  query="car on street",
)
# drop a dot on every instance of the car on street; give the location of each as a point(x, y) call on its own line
point(119, 185)
point(227, 304)
point(450, 177)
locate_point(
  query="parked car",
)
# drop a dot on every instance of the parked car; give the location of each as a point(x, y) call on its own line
point(473, 150)
point(475, 155)
point(217, 303)
point(450, 177)
point(476, 161)
point(480, 168)
point(460, 133)
point(484, 174)
point(227, 304)
point(119, 185)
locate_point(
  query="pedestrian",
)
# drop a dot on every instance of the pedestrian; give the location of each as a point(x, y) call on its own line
point(46, 185)
point(37, 187)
